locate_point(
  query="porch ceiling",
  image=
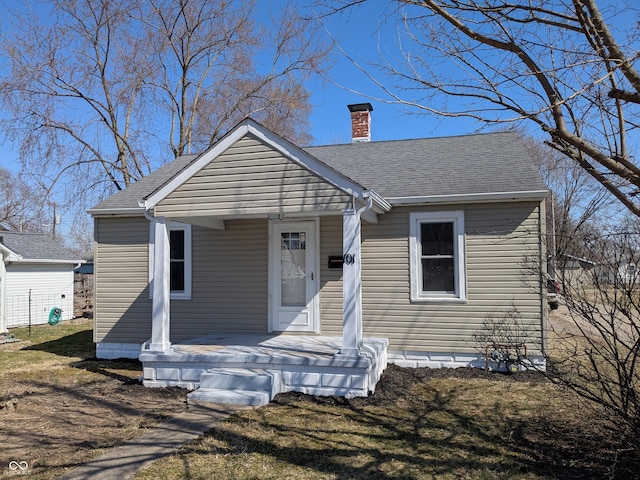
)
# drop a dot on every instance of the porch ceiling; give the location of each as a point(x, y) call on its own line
point(216, 222)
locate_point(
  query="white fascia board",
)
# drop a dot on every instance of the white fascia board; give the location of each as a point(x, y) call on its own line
point(48, 261)
point(123, 211)
point(379, 202)
point(471, 198)
point(378, 206)
point(578, 259)
point(289, 150)
point(7, 253)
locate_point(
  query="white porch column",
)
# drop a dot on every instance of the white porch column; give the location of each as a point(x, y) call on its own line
point(351, 284)
point(160, 319)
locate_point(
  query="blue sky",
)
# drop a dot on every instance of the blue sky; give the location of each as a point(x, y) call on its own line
point(361, 39)
point(358, 35)
point(361, 33)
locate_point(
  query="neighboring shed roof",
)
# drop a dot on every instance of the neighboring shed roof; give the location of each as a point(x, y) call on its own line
point(462, 165)
point(37, 246)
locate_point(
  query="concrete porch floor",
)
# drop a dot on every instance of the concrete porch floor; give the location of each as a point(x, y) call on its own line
point(252, 369)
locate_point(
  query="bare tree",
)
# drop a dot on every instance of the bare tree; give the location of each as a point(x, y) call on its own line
point(567, 71)
point(21, 207)
point(102, 91)
point(577, 203)
point(73, 89)
point(596, 353)
point(559, 66)
point(211, 77)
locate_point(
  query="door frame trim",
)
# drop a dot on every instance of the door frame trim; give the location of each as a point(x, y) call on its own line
point(314, 304)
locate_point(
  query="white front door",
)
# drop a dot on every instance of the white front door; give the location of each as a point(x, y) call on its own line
point(294, 268)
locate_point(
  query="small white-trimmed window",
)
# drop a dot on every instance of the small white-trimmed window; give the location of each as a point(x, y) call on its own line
point(437, 260)
point(179, 260)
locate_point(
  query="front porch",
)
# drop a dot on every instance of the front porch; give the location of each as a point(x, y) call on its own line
point(270, 276)
point(252, 369)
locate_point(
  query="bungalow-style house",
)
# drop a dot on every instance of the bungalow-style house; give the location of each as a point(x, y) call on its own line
point(259, 266)
point(36, 278)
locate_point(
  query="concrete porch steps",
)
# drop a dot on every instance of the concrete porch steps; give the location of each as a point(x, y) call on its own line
point(238, 386)
point(234, 367)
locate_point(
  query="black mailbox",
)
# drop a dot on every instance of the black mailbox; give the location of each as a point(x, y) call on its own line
point(335, 261)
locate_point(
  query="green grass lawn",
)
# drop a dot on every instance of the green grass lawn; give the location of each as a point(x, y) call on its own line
point(63, 350)
point(48, 345)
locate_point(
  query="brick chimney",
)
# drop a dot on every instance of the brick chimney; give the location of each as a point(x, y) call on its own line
point(360, 122)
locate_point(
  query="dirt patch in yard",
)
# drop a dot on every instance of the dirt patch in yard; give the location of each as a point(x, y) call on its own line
point(396, 383)
point(76, 411)
point(565, 437)
point(60, 406)
point(55, 424)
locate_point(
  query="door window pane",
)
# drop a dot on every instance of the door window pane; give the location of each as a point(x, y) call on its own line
point(293, 269)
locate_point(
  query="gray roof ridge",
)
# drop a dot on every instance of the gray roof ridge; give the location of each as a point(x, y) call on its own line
point(413, 139)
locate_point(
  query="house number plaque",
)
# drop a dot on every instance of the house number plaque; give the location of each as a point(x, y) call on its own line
point(336, 261)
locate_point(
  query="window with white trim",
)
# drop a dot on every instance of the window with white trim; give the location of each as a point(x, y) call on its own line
point(179, 260)
point(436, 245)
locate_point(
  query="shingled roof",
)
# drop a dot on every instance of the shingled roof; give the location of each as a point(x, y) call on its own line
point(129, 197)
point(37, 247)
point(431, 167)
point(469, 164)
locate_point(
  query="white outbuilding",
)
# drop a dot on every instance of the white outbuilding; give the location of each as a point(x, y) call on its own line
point(36, 280)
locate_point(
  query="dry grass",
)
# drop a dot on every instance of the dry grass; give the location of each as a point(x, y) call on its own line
point(70, 407)
point(46, 347)
point(457, 424)
point(446, 428)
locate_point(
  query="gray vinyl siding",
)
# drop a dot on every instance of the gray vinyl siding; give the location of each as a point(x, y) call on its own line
point(251, 178)
point(230, 279)
point(122, 309)
point(330, 278)
point(499, 239)
point(229, 282)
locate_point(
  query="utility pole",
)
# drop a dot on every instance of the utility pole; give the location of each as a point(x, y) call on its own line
point(54, 221)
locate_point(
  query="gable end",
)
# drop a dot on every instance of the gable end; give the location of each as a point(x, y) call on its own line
point(252, 178)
